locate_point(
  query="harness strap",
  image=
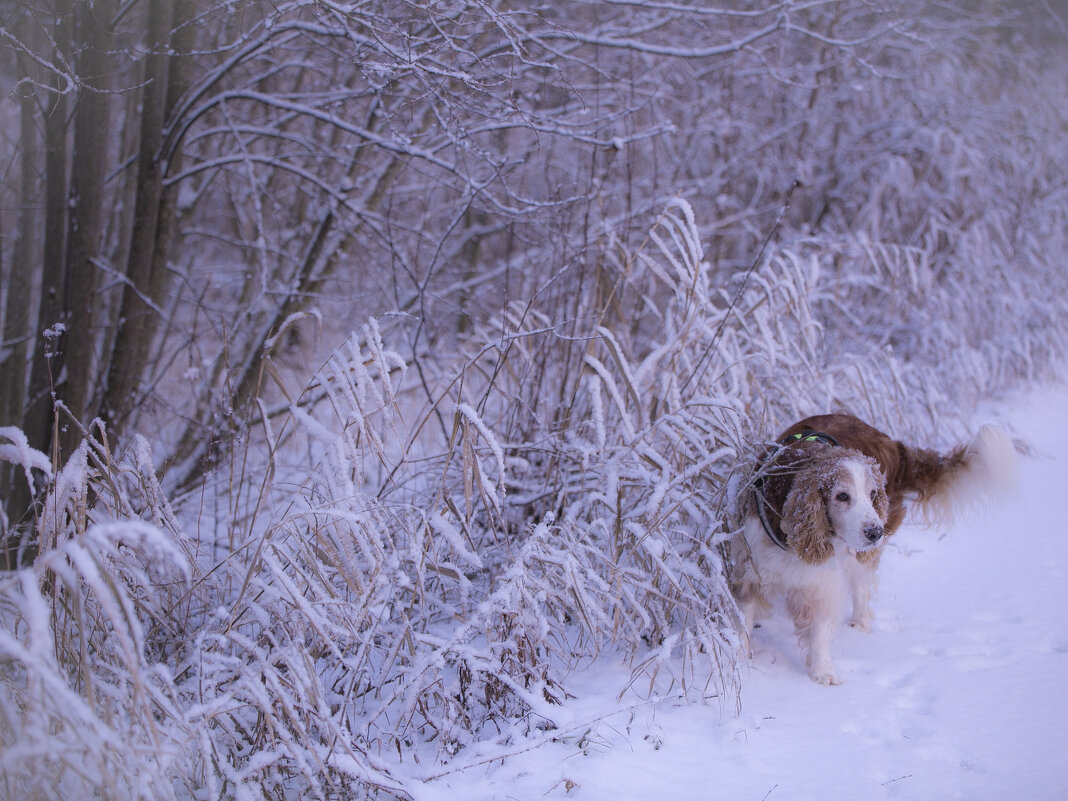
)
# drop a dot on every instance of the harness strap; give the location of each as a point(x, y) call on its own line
point(812, 436)
point(774, 532)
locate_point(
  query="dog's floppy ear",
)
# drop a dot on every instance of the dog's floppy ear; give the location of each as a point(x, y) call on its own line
point(805, 521)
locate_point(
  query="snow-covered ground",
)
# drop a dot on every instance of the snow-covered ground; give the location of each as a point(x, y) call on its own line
point(958, 691)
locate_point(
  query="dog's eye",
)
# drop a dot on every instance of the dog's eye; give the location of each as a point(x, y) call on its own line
point(842, 496)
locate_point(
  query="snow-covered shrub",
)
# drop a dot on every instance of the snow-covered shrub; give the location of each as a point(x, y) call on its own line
point(405, 581)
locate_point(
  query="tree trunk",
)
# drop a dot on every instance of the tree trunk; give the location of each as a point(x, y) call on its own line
point(136, 313)
point(17, 318)
point(18, 322)
point(85, 220)
point(50, 339)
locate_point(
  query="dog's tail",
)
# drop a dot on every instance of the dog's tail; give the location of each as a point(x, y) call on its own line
point(948, 485)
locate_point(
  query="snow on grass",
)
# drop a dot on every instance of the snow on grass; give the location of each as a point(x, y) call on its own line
point(16, 450)
point(956, 693)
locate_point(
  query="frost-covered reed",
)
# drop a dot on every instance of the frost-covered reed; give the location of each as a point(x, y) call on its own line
point(395, 591)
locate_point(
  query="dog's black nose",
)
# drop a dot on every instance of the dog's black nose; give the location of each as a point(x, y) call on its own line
point(873, 533)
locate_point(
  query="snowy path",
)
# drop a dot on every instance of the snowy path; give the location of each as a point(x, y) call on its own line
point(956, 693)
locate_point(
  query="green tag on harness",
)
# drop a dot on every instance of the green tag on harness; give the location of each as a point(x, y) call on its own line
point(813, 436)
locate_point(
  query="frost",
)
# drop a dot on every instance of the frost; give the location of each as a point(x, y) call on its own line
point(151, 542)
point(455, 539)
point(17, 451)
point(337, 578)
point(289, 322)
point(472, 416)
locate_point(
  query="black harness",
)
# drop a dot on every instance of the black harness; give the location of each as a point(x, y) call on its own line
point(774, 532)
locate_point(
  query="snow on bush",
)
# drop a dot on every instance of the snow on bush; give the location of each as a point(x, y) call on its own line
point(410, 592)
point(405, 565)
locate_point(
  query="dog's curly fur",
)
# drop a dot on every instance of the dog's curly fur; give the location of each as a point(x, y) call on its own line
point(835, 505)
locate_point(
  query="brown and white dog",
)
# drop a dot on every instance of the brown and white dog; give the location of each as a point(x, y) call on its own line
point(823, 501)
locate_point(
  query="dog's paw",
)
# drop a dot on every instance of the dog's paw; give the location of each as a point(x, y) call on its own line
point(825, 677)
point(861, 624)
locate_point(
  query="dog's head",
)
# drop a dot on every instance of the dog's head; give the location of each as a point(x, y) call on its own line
point(837, 494)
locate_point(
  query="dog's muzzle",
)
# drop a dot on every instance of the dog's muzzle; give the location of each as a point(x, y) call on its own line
point(873, 534)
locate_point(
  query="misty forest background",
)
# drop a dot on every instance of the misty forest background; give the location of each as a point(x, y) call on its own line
point(368, 368)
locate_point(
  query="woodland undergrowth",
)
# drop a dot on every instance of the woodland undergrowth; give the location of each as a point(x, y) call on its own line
point(405, 565)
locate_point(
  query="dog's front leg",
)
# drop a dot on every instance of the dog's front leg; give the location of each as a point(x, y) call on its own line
point(753, 608)
point(862, 584)
point(815, 619)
